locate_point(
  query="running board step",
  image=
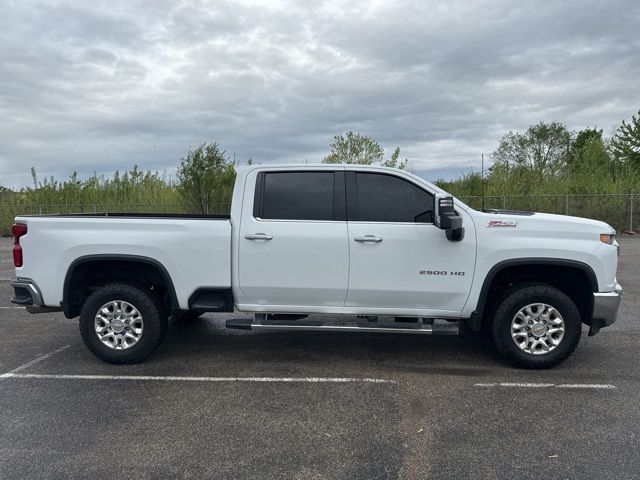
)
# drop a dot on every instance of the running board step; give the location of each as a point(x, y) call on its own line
point(344, 326)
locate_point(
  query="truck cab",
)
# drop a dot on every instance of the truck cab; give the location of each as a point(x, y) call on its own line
point(347, 240)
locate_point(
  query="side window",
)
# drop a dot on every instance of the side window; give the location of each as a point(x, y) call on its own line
point(296, 196)
point(385, 198)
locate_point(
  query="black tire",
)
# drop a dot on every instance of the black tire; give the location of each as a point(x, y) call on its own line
point(518, 298)
point(145, 301)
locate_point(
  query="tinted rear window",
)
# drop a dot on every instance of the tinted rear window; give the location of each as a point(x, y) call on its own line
point(298, 196)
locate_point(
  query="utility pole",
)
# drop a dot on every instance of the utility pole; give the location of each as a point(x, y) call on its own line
point(482, 181)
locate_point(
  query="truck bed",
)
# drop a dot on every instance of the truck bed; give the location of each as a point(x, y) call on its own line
point(195, 216)
point(195, 253)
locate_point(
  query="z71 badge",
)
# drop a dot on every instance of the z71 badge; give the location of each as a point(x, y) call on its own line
point(501, 223)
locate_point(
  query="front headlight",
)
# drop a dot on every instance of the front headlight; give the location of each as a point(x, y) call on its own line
point(608, 238)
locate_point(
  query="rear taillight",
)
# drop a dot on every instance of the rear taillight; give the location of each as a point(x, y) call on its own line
point(18, 230)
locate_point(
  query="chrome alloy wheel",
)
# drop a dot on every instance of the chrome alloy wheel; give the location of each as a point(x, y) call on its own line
point(537, 328)
point(118, 325)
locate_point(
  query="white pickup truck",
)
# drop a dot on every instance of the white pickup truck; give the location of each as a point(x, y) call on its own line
point(391, 250)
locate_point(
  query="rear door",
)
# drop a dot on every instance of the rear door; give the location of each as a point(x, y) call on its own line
point(293, 246)
point(398, 257)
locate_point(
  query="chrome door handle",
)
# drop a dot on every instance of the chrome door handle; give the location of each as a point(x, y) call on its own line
point(258, 236)
point(368, 238)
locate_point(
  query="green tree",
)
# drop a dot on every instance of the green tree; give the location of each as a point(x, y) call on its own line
point(394, 161)
point(205, 179)
point(4, 191)
point(590, 168)
point(589, 161)
point(466, 184)
point(354, 148)
point(582, 138)
point(543, 149)
point(360, 149)
point(626, 142)
point(595, 157)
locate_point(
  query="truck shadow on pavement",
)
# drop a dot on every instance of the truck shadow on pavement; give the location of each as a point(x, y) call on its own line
point(468, 354)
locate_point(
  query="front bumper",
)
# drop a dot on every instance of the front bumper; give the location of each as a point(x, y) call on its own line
point(605, 309)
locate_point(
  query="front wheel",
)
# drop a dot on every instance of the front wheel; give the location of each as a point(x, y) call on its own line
point(122, 323)
point(536, 326)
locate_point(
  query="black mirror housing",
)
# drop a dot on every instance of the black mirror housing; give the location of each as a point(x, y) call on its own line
point(447, 218)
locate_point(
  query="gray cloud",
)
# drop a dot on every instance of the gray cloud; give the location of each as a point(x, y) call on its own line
point(95, 86)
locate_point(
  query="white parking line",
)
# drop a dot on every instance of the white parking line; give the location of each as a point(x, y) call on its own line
point(164, 378)
point(597, 386)
point(194, 379)
point(602, 386)
point(529, 385)
point(32, 362)
point(17, 308)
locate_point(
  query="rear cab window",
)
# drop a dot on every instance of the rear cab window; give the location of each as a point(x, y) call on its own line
point(302, 195)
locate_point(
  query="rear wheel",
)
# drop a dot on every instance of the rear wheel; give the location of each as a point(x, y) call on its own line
point(536, 326)
point(122, 323)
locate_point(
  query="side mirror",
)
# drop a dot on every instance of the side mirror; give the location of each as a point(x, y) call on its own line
point(447, 218)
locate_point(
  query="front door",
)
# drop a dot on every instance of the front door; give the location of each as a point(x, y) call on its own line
point(398, 257)
point(293, 246)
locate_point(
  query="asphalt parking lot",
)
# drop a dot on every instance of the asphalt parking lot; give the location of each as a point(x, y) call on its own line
point(216, 403)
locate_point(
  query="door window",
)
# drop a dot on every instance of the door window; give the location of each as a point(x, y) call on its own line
point(386, 198)
point(296, 196)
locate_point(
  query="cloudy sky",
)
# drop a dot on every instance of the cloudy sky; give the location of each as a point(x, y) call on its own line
point(99, 86)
